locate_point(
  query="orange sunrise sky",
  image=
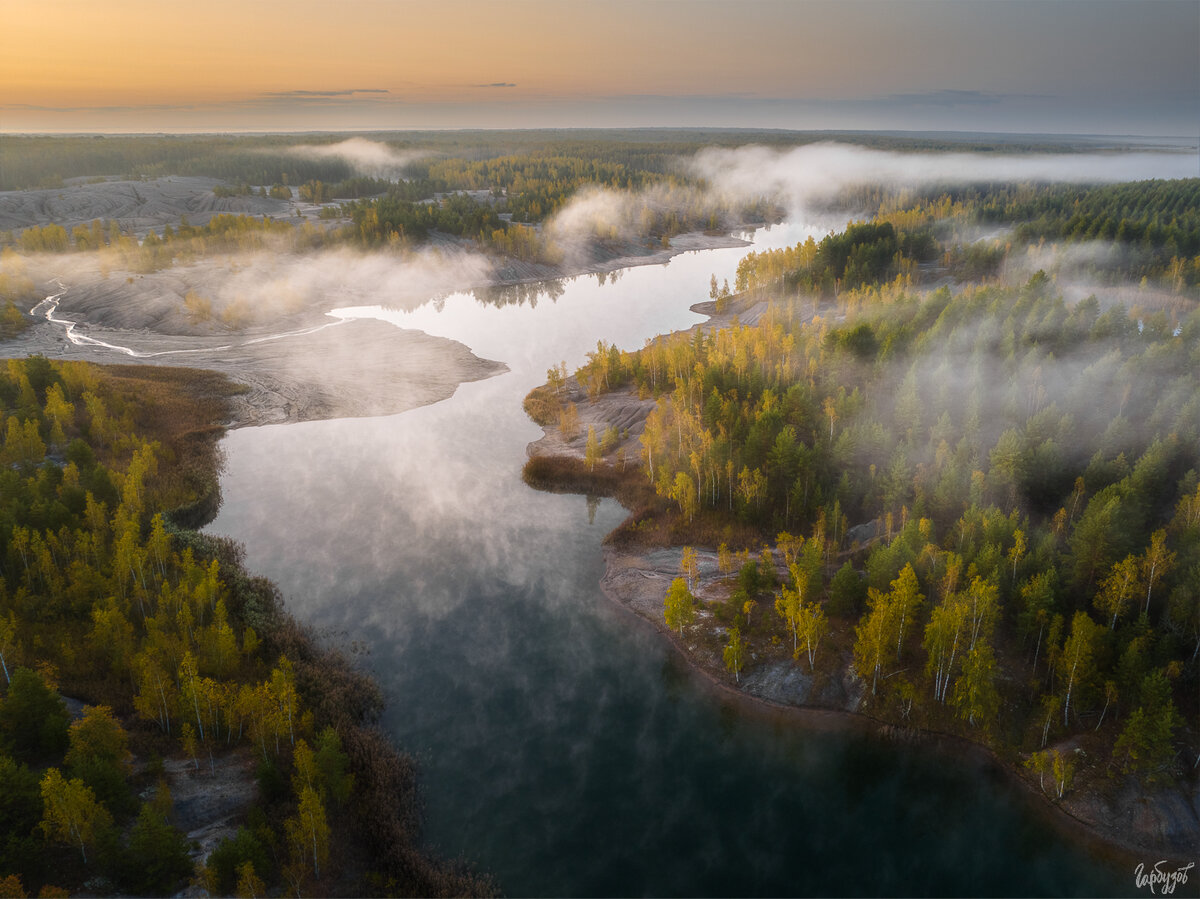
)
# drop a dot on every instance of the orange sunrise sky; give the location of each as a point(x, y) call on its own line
point(1056, 65)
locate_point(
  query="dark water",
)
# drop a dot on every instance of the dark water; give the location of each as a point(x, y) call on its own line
point(563, 748)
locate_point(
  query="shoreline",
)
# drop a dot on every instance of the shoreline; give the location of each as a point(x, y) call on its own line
point(1117, 831)
point(387, 814)
point(298, 364)
point(827, 720)
point(824, 718)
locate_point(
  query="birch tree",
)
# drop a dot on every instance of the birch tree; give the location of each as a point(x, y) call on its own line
point(905, 600)
point(8, 643)
point(975, 694)
point(1155, 562)
point(876, 638)
point(788, 604)
point(813, 625)
point(689, 566)
point(308, 832)
point(679, 605)
point(1117, 589)
point(945, 638)
point(71, 813)
point(735, 651)
point(1076, 665)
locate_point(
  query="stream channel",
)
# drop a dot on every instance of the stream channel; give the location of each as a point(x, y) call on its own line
point(563, 746)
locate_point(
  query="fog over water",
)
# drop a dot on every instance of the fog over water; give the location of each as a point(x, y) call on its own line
point(562, 746)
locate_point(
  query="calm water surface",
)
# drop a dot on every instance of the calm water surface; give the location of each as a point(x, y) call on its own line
point(563, 748)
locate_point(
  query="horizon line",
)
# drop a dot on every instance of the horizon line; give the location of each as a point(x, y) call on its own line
point(613, 128)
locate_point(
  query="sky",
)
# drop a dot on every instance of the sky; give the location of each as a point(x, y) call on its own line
point(1018, 66)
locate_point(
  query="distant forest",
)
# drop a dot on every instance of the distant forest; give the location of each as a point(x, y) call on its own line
point(45, 161)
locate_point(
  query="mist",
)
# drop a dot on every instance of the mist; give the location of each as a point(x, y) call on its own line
point(343, 276)
point(816, 173)
point(262, 286)
point(595, 212)
point(808, 180)
point(366, 157)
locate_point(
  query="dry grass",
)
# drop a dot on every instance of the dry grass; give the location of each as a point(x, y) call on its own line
point(185, 410)
point(653, 520)
point(542, 405)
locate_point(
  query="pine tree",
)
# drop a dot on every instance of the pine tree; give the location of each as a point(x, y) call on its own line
point(1146, 745)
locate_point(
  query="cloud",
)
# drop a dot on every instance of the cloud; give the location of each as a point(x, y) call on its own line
point(950, 98)
point(496, 84)
point(320, 95)
point(157, 107)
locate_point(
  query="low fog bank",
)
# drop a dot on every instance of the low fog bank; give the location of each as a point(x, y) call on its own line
point(808, 181)
point(367, 157)
point(349, 369)
point(339, 369)
point(817, 173)
point(1094, 268)
point(232, 294)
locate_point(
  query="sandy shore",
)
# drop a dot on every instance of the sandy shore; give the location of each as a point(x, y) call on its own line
point(316, 368)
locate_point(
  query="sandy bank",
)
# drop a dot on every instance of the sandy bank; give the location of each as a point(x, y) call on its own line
point(325, 370)
point(210, 796)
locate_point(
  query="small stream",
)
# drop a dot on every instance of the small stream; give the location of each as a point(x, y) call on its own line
point(49, 306)
point(562, 746)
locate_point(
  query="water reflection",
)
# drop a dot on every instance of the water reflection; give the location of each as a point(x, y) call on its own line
point(521, 294)
point(563, 747)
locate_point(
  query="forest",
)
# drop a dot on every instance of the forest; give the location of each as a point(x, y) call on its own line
point(49, 161)
point(982, 498)
point(917, 458)
point(168, 647)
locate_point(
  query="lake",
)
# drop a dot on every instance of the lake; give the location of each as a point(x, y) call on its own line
point(563, 746)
